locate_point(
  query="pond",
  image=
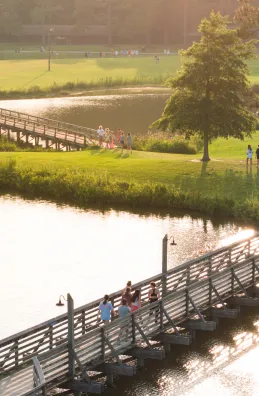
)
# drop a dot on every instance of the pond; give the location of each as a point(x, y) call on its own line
point(49, 249)
point(131, 112)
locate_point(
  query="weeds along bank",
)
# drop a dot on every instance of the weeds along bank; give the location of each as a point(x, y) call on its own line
point(85, 188)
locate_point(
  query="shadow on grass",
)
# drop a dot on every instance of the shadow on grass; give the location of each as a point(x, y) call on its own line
point(231, 184)
point(36, 78)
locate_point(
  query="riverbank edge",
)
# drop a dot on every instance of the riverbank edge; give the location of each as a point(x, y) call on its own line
point(83, 189)
point(62, 90)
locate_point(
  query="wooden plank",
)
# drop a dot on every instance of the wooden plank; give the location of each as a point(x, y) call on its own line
point(123, 369)
point(82, 386)
point(178, 339)
point(199, 325)
point(147, 353)
point(224, 313)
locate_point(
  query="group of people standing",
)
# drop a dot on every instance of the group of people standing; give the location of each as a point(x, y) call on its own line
point(109, 139)
point(130, 302)
point(249, 155)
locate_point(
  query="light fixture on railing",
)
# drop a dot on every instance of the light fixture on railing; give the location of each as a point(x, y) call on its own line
point(173, 243)
point(60, 303)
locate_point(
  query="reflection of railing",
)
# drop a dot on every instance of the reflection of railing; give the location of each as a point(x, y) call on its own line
point(47, 127)
point(217, 273)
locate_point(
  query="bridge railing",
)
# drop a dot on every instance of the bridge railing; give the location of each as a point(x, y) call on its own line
point(118, 337)
point(16, 350)
point(53, 124)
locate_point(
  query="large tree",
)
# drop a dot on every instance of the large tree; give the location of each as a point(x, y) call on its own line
point(208, 94)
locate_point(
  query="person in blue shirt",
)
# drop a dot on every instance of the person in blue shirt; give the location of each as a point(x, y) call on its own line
point(106, 309)
point(123, 309)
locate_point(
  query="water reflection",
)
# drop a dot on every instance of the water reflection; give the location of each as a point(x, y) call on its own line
point(132, 112)
point(48, 250)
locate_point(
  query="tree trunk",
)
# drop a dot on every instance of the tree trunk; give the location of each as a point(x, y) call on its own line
point(206, 157)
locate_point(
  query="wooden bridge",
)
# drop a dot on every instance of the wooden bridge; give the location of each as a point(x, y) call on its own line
point(71, 350)
point(36, 130)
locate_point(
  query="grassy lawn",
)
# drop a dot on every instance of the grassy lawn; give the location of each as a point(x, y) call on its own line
point(225, 176)
point(21, 74)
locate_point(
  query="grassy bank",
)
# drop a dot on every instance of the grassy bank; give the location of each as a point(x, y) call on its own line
point(151, 180)
point(30, 78)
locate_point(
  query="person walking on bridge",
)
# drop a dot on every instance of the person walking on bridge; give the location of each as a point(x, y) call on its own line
point(100, 132)
point(154, 295)
point(106, 309)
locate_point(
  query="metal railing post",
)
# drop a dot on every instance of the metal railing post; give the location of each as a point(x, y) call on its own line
point(71, 341)
point(164, 264)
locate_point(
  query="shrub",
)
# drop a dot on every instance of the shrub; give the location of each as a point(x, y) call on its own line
point(167, 143)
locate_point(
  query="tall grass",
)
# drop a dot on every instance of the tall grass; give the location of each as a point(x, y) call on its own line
point(167, 143)
point(86, 188)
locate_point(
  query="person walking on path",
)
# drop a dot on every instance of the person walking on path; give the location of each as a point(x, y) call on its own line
point(129, 143)
point(153, 295)
point(122, 141)
point(107, 138)
point(249, 155)
point(257, 156)
point(106, 309)
point(127, 295)
point(100, 132)
point(136, 301)
point(112, 140)
point(118, 136)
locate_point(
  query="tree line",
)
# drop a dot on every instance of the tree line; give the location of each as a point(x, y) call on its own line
point(147, 21)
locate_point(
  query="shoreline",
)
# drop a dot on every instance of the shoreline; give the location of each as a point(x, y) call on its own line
point(137, 89)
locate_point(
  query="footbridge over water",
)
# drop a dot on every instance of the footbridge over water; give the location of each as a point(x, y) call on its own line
point(72, 351)
point(50, 133)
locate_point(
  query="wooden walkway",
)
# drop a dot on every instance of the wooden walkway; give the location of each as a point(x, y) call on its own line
point(34, 129)
point(64, 350)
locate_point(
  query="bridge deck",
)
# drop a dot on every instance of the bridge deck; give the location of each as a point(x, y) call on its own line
point(47, 129)
point(79, 343)
point(18, 383)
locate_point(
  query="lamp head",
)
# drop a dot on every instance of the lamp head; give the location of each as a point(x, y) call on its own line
point(60, 304)
point(173, 243)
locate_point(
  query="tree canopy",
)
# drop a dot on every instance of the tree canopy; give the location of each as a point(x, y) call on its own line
point(208, 95)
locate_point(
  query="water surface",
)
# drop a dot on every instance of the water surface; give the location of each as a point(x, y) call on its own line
point(48, 250)
point(131, 112)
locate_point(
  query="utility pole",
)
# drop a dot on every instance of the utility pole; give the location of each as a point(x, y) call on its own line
point(50, 31)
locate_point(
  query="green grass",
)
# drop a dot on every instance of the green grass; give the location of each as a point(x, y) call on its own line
point(17, 76)
point(23, 74)
point(225, 179)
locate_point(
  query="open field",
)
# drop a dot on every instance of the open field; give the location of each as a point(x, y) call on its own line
point(23, 74)
point(224, 184)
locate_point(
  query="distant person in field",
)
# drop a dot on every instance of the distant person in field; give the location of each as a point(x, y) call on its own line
point(100, 132)
point(129, 143)
point(249, 155)
point(257, 156)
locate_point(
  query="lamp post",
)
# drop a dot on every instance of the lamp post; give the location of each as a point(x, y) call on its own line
point(70, 320)
point(50, 31)
point(164, 261)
